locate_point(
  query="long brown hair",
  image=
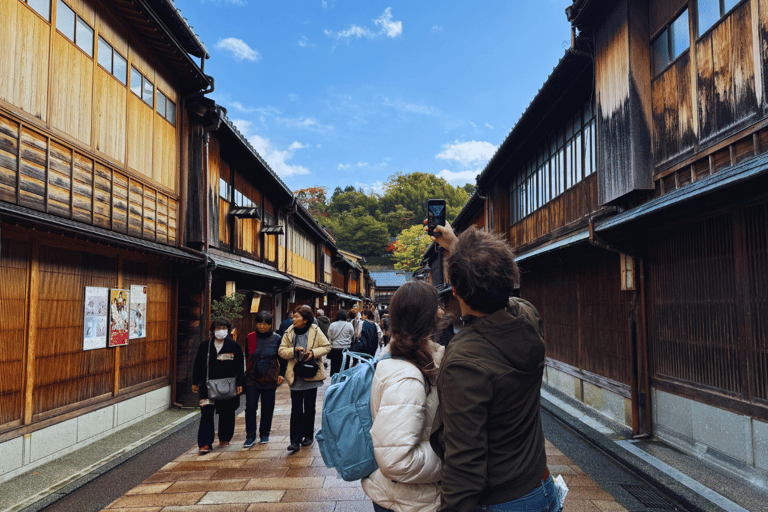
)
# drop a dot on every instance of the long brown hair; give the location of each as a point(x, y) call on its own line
point(412, 319)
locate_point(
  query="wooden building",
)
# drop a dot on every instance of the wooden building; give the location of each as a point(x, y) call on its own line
point(92, 123)
point(633, 189)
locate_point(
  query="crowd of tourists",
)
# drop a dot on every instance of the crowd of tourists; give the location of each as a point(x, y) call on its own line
point(455, 416)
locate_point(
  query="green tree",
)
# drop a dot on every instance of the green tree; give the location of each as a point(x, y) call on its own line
point(409, 248)
point(469, 188)
point(228, 306)
point(358, 232)
point(411, 191)
point(398, 220)
point(313, 199)
point(350, 198)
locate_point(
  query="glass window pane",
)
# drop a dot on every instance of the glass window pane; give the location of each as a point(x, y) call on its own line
point(119, 67)
point(729, 4)
point(84, 37)
point(679, 35)
point(148, 93)
point(223, 192)
point(136, 81)
point(579, 152)
point(160, 103)
point(105, 55)
point(660, 53)
point(170, 111)
point(42, 7)
point(709, 13)
point(65, 20)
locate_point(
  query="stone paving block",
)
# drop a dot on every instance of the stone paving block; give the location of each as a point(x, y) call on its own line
point(170, 466)
point(558, 460)
point(247, 497)
point(311, 471)
point(175, 476)
point(264, 454)
point(253, 472)
point(140, 509)
point(579, 505)
point(608, 506)
point(354, 506)
point(320, 506)
point(285, 483)
point(329, 494)
point(588, 493)
point(229, 507)
point(207, 485)
point(556, 469)
point(157, 500)
point(332, 481)
point(209, 464)
point(150, 488)
point(581, 481)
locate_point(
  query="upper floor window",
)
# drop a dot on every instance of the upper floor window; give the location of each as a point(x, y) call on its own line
point(74, 28)
point(166, 107)
point(142, 87)
point(224, 189)
point(41, 7)
point(242, 201)
point(710, 12)
point(671, 42)
point(112, 61)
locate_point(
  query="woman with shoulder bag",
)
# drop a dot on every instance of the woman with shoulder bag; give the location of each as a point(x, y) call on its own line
point(263, 375)
point(303, 346)
point(403, 406)
point(218, 359)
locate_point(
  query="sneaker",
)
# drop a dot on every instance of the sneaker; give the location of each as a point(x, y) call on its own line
point(203, 450)
point(307, 441)
point(294, 447)
point(222, 444)
point(264, 440)
point(249, 442)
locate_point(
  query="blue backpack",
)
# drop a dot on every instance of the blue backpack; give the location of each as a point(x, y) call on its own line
point(368, 341)
point(344, 438)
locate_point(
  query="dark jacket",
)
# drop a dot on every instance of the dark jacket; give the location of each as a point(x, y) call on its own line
point(259, 361)
point(323, 322)
point(227, 363)
point(284, 325)
point(488, 428)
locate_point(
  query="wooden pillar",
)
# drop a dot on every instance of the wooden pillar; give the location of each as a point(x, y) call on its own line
point(32, 314)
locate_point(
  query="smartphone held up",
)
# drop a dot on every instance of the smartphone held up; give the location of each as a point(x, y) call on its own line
point(435, 215)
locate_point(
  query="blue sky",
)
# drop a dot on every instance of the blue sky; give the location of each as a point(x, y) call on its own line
point(340, 92)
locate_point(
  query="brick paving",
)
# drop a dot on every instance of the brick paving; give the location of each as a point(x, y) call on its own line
point(267, 478)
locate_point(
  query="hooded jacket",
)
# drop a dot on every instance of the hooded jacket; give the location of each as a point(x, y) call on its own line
point(488, 427)
point(402, 413)
point(316, 342)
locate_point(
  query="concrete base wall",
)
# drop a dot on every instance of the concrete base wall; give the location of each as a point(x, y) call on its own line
point(731, 440)
point(24, 453)
point(608, 403)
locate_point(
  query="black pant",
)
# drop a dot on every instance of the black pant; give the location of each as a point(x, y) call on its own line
point(226, 411)
point(303, 414)
point(336, 356)
point(252, 394)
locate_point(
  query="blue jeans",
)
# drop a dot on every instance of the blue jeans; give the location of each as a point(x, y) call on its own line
point(252, 394)
point(542, 499)
point(379, 508)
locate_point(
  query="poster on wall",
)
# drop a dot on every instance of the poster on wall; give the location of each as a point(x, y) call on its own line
point(138, 315)
point(119, 301)
point(96, 313)
point(255, 301)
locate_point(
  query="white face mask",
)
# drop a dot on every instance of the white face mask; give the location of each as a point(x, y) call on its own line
point(220, 334)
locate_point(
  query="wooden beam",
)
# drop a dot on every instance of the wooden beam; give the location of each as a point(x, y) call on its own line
point(31, 328)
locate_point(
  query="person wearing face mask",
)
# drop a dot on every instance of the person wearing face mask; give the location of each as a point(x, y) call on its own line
point(263, 375)
point(223, 359)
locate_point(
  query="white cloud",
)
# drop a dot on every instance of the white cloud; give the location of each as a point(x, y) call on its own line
point(411, 108)
point(377, 187)
point(276, 158)
point(436, 29)
point(239, 3)
point(304, 43)
point(293, 97)
point(459, 178)
point(344, 167)
point(362, 164)
point(239, 49)
point(488, 126)
point(466, 153)
point(473, 124)
point(305, 123)
point(319, 146)
point(387, 28)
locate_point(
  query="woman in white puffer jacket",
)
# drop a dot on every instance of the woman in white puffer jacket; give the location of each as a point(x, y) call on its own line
point(403, 405)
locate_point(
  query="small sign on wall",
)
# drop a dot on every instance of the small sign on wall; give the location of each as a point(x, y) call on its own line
point(95, 319)
point(138, 309)
point(119, 303)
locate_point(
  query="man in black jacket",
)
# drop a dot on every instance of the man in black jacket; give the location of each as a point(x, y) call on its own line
point(488, 427)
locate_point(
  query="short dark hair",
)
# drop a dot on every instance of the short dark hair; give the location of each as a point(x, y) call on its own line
point(306, 313)
point(482, 270)
point(221, 322)
point(341, 315)
point(368, 313)
point(263, 317)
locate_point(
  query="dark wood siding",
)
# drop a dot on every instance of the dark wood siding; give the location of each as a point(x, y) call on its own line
point(13, 309)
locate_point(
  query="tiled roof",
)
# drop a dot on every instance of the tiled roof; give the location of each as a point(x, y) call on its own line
point(389, 278)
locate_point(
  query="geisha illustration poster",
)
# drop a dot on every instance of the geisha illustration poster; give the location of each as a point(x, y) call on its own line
point(96, 316)
point(138, 323)
point(119, 303)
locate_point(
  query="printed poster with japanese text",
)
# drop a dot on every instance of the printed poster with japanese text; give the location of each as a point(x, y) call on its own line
point(138, 321)
point(119, 302)
point(95, 319)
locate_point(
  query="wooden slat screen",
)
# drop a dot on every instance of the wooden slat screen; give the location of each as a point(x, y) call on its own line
point(64, 373)
point(146, 359)
point(13, 301)
point(756, 223)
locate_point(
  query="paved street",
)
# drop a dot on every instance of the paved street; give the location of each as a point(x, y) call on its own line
point(267, 478)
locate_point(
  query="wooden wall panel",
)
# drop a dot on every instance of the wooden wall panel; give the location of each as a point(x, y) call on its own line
point(672, 110)
point(60, 180)
point(109, 126)
point(8, 39)
point(214, 227)
point(83, 193)
point(102, 212)
point(34, 158)
point(13, 301)
point(135, 208)
point(9, 151)
point(162, 219)
point(173, 211)
point(164, 154)
point(71, 90)
point(140, 140)
point(30, 82)
point(64, 373)
point(150, 209)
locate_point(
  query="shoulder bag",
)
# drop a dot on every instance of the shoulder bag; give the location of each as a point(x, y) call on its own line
point(219, 389)
point(304, 369)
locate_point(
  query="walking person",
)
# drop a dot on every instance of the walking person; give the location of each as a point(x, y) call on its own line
point(488, 426)
point(264, 374)
point(366, 339)
point(323, 322)
point(340, 337)
point(218, 358)
point(303, 342)
point(385, 328)
point(285, 324)
point(403, 406)
point(368, 316)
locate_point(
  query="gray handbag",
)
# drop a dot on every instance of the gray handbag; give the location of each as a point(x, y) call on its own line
point(219, 389)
